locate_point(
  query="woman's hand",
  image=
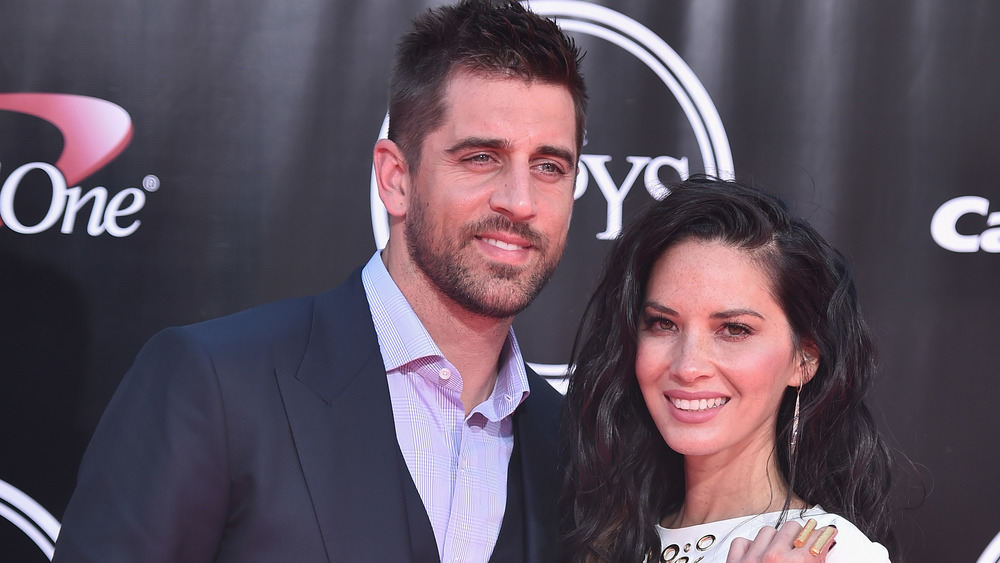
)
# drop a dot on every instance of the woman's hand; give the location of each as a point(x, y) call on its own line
point(793, 543)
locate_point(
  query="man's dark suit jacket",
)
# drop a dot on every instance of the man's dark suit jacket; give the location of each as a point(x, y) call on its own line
point(268, 436)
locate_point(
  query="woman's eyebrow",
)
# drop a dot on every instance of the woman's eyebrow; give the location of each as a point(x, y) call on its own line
point(730, 313)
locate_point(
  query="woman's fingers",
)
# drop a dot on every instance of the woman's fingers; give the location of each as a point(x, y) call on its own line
point(817, 541)
point(793, 543)
point(750, 552)
point(738, 549)
point(824, 542)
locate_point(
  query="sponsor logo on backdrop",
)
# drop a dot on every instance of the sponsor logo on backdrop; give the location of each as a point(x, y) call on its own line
point(984, 233)
point(94, 132)
point(713, 154)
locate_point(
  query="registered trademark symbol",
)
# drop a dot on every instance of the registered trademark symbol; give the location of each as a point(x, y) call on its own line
point(150, 183)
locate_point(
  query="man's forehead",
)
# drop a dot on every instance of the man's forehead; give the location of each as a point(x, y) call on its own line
point(463, 87)
point(478, 78)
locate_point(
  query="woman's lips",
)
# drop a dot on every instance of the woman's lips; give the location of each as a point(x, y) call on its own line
point(695, 405)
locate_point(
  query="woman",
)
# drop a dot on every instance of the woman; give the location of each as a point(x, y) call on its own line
point(718, 391)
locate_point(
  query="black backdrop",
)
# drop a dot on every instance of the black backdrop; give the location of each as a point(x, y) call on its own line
point(246, 178)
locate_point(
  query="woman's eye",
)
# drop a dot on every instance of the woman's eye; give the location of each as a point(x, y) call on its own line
point(659, 323)
point(735, 329)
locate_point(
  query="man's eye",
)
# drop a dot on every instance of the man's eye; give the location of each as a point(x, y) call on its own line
point(550, 168)
point(480, 158)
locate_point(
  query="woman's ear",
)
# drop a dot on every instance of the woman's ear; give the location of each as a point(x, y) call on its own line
point(392, 174)
point(808, 364)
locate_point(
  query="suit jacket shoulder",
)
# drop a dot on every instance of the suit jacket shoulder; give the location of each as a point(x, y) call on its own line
point(225, 438)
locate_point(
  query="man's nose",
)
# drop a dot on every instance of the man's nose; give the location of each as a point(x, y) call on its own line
point(514, 196)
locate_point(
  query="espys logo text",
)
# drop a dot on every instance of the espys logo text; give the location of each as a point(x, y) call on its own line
point(94, 132)
point(944, 225)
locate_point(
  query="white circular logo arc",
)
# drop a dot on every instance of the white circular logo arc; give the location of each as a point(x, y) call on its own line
point(29, 516)
point(640, 42)
point(992, 552)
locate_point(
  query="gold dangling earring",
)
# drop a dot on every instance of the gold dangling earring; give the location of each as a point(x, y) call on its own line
point(794, 441)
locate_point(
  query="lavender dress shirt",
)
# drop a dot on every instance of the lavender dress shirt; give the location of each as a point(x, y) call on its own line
point(458, 463)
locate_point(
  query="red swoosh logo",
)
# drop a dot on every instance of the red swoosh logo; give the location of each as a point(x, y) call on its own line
point(94, 131)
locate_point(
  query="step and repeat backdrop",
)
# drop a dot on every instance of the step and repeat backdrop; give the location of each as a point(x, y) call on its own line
point(163, 163)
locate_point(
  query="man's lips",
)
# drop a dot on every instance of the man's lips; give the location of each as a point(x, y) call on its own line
point(505, 245)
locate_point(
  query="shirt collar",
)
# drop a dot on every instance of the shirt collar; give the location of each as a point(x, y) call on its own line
point(402, 338)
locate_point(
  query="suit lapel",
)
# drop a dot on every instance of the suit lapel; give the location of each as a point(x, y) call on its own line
point(536, 422)
point(340, 414)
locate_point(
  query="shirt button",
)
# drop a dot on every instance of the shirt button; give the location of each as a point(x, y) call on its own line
point(445, 374)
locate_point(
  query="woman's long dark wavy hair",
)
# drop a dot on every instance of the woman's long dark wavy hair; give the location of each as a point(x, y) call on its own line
point(623, 478)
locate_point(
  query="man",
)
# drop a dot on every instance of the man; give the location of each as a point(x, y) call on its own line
point(392, 418)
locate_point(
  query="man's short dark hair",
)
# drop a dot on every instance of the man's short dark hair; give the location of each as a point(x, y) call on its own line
point(505, 40)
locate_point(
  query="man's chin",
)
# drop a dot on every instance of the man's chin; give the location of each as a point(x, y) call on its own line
point(498, 299)
point(498, 311)
point(508, 272)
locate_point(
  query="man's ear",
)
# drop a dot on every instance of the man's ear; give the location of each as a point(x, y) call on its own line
point(393, 177)
point(808, 364)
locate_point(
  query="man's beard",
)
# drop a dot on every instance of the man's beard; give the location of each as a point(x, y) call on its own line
point(499, 291)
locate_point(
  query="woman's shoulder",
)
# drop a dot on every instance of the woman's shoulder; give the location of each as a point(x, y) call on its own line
point(852, 544)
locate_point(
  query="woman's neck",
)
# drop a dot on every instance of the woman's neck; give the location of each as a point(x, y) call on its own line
point(720, 487)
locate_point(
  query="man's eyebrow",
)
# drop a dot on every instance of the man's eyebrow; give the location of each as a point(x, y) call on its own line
point(558, 152)
point(477, 142)
point(492, 143)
